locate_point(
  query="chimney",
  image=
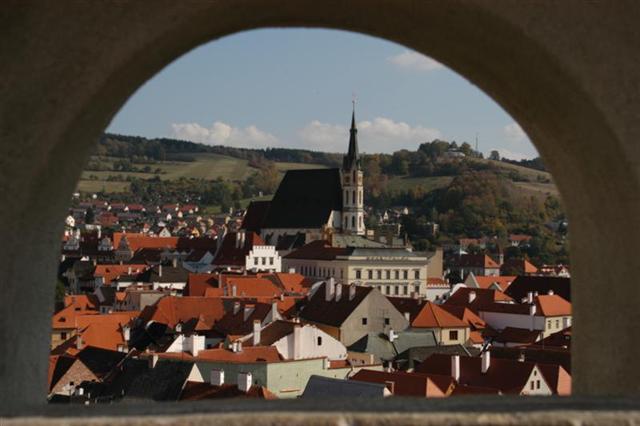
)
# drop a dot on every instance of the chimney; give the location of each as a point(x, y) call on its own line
point(338, 292)
point(126, 333)
point(392, 335)
point(245, 381)
point(329, 289)
point(352, 291)
point(129, 271)
point(174, 262)
point(274, 309)
point(292, 270)
point(153, 360)
point(530, 297)
point(550, 292)
point(297, 341)
point(234, 290)
point(407, 316)
point(486, 361)
point(532, 309)
point(196, 344)
point(160, 270)
point(236, 308)
point(217, 377)
point(256, 332)
point(472, 296)
point(455, 367)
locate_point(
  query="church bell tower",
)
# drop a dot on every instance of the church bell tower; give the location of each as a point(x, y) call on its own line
point(352, 185)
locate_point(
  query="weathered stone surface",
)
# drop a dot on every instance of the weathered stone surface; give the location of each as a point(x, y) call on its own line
point(568, 71)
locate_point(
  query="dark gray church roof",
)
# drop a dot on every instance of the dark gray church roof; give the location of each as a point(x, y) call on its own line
point(305, 199)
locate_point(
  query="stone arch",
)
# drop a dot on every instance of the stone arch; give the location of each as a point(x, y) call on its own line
point(541, 62)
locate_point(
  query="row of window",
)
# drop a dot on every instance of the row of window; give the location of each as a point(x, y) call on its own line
point(256, 260)
point(396, 290)
point(388, 273)
point(353, 197)
point(312, 271)
point(353, 222)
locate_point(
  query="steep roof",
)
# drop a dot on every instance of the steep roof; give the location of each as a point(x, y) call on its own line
point(525, 284)
point(305, 199)
point(197, 284)
point(112, 272)
point(241, 322)
point(553, 305)
point(475, 261)
point(482, 297)
point(433, 316)
point(231, 253)
point(466, 315)
point(486, 282)
point(250, 286)
point(170, 310)
point(255, 215)
point(333, 313)
point(164, 382)
point(407, 384)
point(523, 266)
point(197, 391)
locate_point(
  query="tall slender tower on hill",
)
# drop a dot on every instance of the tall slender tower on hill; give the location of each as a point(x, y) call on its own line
point(352, 185)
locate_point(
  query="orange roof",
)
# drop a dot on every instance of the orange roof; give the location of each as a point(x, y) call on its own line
point(198, 284)
point(433, 316)
point(295, 283)
point(111, 272)
point(119, 318)
point(487, 281)
point(138, 241)
point(465, 314)
point(436, 282)
point(553, 305)
point(251, 286)
point(74, 307)
point(476, 337)
point(171, 310)
point(248, 354)
point(407, 384)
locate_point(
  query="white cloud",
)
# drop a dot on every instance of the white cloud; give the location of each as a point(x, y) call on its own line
point(380, 135)
point(224, 134)
point(511, 155)
point(414, 61)
point(513, 133)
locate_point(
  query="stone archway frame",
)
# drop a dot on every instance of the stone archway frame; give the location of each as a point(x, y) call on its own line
point(567, 71)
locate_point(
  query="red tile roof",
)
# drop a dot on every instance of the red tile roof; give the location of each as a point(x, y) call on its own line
point(197, 391)
point(553, 305)
point(241, 322)
point(248, 354)
point(171, 310)
point(475, 261)
point(319, 249)
point(230, 254)
point(140, 241)
point(466, 315)
point(407, 384)
point(198, 284)
point(112, 272)
point(503, 282)
point(482, 297)
point(433, 316)
point(333, 313)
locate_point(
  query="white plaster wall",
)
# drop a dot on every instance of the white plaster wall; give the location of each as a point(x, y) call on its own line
point(309, 348)
point(273, 260)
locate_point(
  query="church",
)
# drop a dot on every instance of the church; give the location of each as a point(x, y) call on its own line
point(313, 204)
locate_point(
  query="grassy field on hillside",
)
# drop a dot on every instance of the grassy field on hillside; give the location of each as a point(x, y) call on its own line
point(206, 166)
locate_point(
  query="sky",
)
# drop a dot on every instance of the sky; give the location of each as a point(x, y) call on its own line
point(294, 88)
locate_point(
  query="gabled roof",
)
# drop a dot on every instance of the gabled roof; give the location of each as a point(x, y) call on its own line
point(433, 316)
point(241, 322)
point(275, 331)
point(232, 255)
point(523, 266)
point(255, 215)
point(164, 274)
point(486, 282)
point(522, 336)
point(198, 391)
point(475, 261)
point(525, 284)
point(197, 284)
point(408, 384)
point(508, 376)
point(333, 313)
point(305, 199)
point(318, 249)
point(164, 382)
point(466, 315)
point(171, 310)
point(482, 297)
point(248, 354)
point(100, 361)
point(553, 305)
point(250, 286)
point(328, 387)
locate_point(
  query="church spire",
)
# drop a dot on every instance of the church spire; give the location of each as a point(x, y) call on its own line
point(353, 157)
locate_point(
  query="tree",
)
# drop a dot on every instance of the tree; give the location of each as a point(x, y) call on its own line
point(495, 155)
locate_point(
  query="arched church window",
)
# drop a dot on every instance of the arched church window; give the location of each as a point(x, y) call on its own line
point(353, 197)
point(353, 221)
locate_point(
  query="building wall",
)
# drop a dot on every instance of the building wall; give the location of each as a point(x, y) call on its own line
point(436, 264)
point(380, 316)
point(536, 384)
point(59, 335)
point(313, 343)
point(264, 258)
point(392, 281)
point(500, 320)
point(76, 374)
